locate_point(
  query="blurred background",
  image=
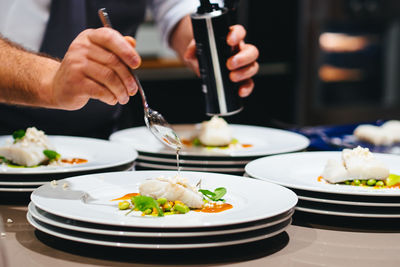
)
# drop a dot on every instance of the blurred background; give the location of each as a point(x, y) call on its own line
point(321, 62)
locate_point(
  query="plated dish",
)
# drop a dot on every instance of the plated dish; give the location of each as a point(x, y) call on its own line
point(100, 154)
point(263, 140)
point(370, 135)
point(301, 171)
point(88, 198)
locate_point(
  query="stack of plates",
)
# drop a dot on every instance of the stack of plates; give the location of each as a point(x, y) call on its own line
point(261, 141)
point(102, 156)
point(83, 212)
point(300, 172)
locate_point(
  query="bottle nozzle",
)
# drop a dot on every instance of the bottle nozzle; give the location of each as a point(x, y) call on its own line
point(206, 7)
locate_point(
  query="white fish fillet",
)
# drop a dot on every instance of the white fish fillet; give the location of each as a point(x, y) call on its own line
point(386, 134)
point(172, 189)
point(357, 163)
point(28, 151)
point(335, 172)
point(361, 164)
point(215, 132)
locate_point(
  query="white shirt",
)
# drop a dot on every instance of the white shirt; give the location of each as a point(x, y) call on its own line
point(24, 21)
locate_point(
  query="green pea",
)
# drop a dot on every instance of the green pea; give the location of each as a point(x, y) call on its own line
point(181, 208)
point(162, 200)
point(380, 183)
point(371, 182)
point(148, 211)
point(347, 182)
point(356, 182)
point(123, 205)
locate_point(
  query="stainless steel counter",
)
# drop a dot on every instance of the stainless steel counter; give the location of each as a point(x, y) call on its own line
point(310, 241)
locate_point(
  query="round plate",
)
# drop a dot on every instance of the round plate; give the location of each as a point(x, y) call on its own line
point(347, 214)
point(101, 154)
point(351, 203)
point(17, 189)
point(87, 198)
point(152, 243)
point(264, 141)
point(69, 224)
point(226, 163)
point(184, 168)
point(301, 171)
point(18, 183)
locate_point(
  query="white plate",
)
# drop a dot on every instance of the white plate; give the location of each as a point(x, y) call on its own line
point(226, 163)
point(351, 203)
point(251, 199)
point(69, 224)
point(184, 168)
point(101, 154)
point(16, 189)
point(347, 214)
point(18, 183)
point(264, 141)
point(301, 171)
point(115, 242)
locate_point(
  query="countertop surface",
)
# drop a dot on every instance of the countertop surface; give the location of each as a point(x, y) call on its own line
point(310, 240)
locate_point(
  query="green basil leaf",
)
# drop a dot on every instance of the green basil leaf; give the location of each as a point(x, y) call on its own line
point(143, 203)
point(18, 134)
point(51, 154)
point(214, 196)
point(207, 193)
point(219, 193)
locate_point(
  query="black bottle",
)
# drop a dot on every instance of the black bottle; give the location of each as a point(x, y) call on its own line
point(210, 28)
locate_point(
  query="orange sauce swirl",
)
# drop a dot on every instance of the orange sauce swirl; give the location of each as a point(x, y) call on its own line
point(74, 161)
point(215, 208)
point(127, 196)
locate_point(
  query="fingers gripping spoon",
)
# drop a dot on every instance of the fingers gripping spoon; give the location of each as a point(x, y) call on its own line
point(153, 119)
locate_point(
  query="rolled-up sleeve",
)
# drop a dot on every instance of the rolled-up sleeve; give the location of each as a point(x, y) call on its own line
point(167, 13)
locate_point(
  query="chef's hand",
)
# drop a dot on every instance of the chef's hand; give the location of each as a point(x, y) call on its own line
point(96, 66)
point(243, 64)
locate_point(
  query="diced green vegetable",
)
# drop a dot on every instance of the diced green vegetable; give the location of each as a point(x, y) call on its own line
point(123, 205)
point(380, 183)
point(181, 208)
point(196, 142)
point(371, 182)
point(392, 179)
point(162, 200)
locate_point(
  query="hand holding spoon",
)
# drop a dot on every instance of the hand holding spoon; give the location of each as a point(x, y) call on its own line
point(153, 119)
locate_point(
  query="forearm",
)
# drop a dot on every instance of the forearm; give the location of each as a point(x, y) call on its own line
point(181, 36)
point(25, 78)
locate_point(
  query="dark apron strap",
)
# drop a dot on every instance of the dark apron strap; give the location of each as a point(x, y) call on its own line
point(67, 19)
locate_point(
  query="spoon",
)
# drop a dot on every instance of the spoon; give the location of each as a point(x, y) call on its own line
point(153, 119)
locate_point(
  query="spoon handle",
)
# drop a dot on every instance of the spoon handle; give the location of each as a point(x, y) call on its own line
point(141, 91)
